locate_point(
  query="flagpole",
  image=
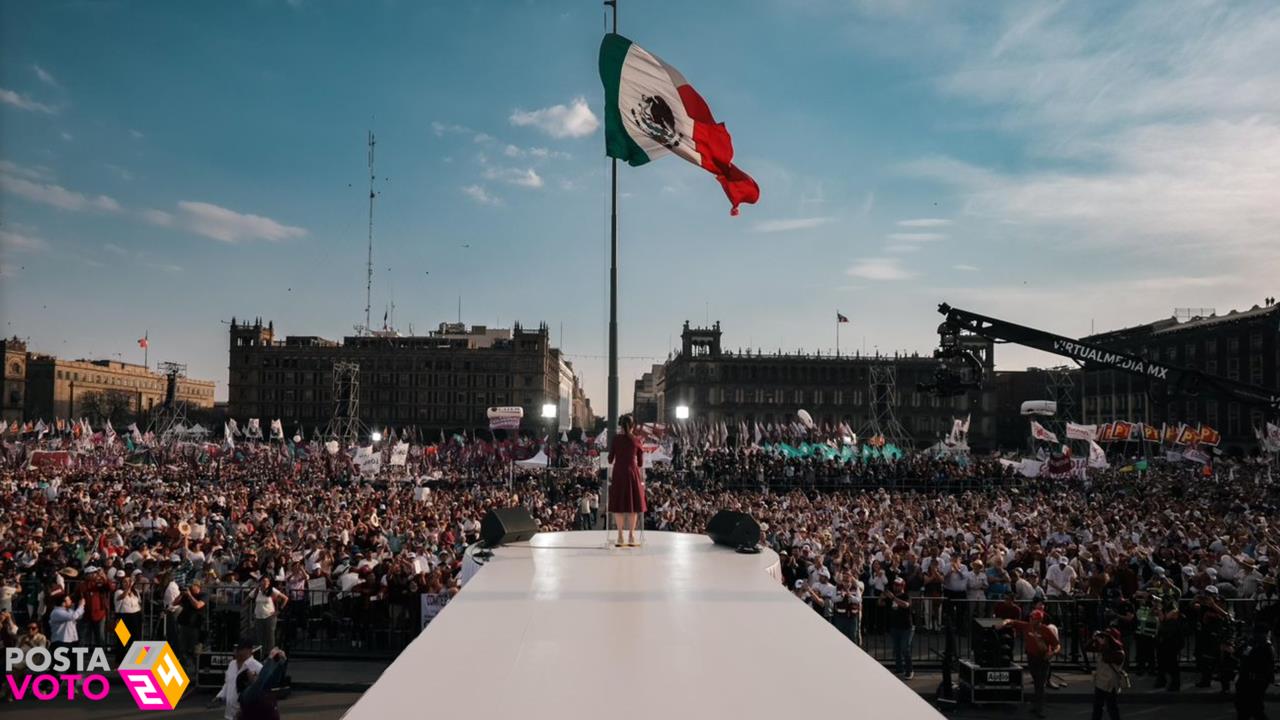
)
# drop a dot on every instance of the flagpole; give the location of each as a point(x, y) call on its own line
point(837, 334)
point(612, 427)
point(146, 350)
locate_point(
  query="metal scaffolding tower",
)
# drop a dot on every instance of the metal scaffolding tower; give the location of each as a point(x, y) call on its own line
point(171, 416)
point(345, 423)
point(883, 393)
point(1060, 386)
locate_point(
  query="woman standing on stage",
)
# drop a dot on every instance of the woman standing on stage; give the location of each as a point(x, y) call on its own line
point(626, 486)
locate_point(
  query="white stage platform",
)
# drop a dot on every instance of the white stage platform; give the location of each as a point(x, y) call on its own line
point(681, 628)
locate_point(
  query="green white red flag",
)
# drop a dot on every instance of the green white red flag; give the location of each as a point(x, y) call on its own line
point(651, 110)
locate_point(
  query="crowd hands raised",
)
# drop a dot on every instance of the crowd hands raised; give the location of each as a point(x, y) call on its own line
point(80, 546)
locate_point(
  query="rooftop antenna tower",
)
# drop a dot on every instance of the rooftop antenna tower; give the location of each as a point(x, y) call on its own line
point(368, 287)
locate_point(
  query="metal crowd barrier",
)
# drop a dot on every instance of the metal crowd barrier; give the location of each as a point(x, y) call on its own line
point(332, 624)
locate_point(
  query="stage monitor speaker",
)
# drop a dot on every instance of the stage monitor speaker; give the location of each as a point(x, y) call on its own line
point(735, 529)
point(501, 526)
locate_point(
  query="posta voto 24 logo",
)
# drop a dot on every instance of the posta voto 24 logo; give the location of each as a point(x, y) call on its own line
point(151, 672)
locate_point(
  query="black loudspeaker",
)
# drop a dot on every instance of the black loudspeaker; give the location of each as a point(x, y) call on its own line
point(507, 525)
point(992, 645)
point(735, 529)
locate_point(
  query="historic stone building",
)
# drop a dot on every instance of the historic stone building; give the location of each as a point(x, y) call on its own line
point(644, 398)
point(443, 381)
point(38, 386)
point(723, 386)
point(13, 401)
point(1239, 345)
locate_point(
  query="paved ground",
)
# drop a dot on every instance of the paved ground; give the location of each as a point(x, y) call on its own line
point(330, 706)
point(301, 704)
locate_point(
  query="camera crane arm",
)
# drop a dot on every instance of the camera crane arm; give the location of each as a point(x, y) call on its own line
point(1178, 379)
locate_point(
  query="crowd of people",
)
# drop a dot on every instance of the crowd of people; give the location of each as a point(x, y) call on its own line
point(203, 551)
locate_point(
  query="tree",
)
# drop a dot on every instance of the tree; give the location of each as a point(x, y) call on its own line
point(113, 405)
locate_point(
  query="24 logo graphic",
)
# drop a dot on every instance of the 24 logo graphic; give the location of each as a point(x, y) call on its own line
point(153, 674)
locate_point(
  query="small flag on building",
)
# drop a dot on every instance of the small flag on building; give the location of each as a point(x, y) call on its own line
point(841, 318)
point(143, 342)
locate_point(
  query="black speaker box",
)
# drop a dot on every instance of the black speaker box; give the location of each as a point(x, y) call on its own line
point(507, 525)
point(735, 529)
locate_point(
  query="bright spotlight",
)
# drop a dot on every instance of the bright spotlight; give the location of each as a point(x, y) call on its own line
point(682, 412)
point(376, 436)
point(549, 410)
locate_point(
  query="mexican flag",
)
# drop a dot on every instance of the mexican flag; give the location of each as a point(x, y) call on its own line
point(651, 110)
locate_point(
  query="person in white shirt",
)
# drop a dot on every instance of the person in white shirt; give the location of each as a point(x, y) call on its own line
point(267, 604)
point(128, 606)
point(1058, 578)
point(62, 622)
point(243, 660)
point(168, 600)
point(1023, 591)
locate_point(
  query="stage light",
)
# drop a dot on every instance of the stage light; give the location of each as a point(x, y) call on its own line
point(682, 412)
point(376, 436)
point(549, 410)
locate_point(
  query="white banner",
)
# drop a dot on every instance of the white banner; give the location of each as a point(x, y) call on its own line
point(1038, 432)
point(367, 462)
point(399, 454)
point(1082, 432)
point(1097, 456)
point(432, 604)
point(1195, 455)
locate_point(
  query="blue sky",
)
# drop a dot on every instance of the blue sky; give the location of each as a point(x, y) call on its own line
point(167, 166)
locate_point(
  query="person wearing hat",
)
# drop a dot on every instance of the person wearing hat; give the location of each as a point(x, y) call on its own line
point(1212, 627)
point(96, 591)
point(1041, 643)
point(897, 603)
point(241, 660)
point(1109, 675)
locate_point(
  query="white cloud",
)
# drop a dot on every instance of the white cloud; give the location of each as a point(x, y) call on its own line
point(37, 172)
point(67, 136)
point(122, 172)
point(1162, 187)
point(901, 248)
point(924, 222)
point(157, 217)
point(965, 267)
point(136, 135)
point(15, 242)
point(56, 195)
point(805, 223)
point(441, 129)
point(514, 176)
point(560, 121)
point(219, 223)
point(45, 76)
point(22, 102)
point(879, 268)
point(480, 195)
point(115, 249)
point(538, 153)
point(917, 237)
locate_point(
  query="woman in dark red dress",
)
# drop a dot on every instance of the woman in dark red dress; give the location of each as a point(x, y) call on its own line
point(626, 485)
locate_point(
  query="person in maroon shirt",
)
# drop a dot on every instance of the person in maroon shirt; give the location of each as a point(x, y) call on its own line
point(1041, 643)
point(96, 591)
point(626, 485)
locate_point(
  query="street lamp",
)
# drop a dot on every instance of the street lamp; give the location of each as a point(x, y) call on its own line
point(682, 412)
point(549, 413)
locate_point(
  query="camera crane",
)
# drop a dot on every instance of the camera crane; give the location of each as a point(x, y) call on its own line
point(960, 370)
